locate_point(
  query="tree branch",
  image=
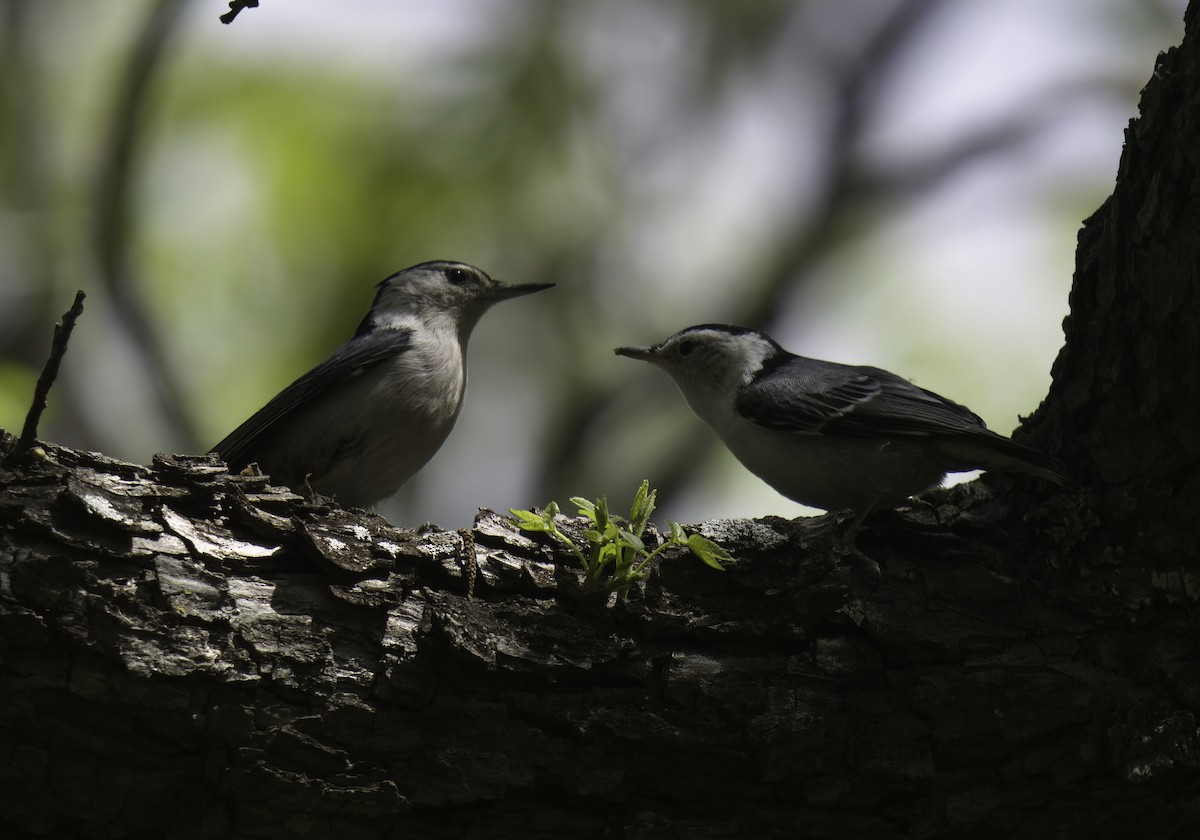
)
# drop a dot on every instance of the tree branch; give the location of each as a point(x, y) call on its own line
point(198, 654)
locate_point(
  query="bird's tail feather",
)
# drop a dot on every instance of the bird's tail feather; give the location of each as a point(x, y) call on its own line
point(999, 453)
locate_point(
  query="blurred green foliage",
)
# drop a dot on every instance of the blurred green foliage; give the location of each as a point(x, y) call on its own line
point(665, 164)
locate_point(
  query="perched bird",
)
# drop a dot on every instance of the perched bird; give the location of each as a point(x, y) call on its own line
point(828, 435)
point(362, 422)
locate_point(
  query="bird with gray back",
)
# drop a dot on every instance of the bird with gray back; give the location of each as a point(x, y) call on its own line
point(832, 436)
point(362, 422)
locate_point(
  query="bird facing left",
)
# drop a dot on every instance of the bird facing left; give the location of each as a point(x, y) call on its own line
point(365, 420)
point(833, 436)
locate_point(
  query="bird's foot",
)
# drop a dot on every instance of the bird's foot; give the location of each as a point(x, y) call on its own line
point(843, 529)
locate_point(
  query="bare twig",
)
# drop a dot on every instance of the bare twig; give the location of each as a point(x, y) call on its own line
point(236, 6)
point(58, 349)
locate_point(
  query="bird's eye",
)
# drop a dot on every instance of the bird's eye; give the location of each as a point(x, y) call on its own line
point(686, 347)
point(457, 276)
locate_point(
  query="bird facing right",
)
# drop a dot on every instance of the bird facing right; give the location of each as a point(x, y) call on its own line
point(362, 422)
point(828, 435)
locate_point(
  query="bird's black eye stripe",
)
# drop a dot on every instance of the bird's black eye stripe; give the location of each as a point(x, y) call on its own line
point(458, 276)
point(686, 347)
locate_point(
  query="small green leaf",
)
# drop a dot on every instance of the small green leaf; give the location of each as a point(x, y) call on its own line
point(527, 520)
point(586, 508)
point(548, 516)
point(632, 539)
point(593, 536)
point(708, 551)
point(602, 514)
point(678, 535)
point(639, 499)
point(642, 508)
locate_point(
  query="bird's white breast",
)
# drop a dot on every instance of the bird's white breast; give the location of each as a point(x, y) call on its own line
point(833, 473)
point(390, 420)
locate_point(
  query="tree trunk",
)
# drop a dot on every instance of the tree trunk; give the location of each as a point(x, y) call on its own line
point(185, 653)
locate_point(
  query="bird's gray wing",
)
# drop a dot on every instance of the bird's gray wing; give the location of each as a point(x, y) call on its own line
point(362, 352)
point(810, 397)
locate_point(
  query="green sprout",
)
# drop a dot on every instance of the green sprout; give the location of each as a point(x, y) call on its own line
point(616, 556)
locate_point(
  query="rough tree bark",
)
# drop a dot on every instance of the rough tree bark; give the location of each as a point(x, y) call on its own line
point(184, 653)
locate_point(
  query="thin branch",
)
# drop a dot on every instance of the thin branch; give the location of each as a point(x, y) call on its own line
point(236, 6)
point(113, 222)
point(41, 392)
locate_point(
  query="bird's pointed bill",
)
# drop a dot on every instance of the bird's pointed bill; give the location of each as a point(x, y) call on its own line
point(505, 291)
point(645, 354)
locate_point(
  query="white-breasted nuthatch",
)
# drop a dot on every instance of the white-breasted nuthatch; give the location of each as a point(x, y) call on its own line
point(362, 422)
point(828, 435)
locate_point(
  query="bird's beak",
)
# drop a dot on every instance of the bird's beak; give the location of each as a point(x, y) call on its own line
point(645, 354)
point(504, 291)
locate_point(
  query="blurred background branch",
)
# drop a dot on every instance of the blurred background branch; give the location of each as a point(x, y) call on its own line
point(116, 214)
point(893, 183)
